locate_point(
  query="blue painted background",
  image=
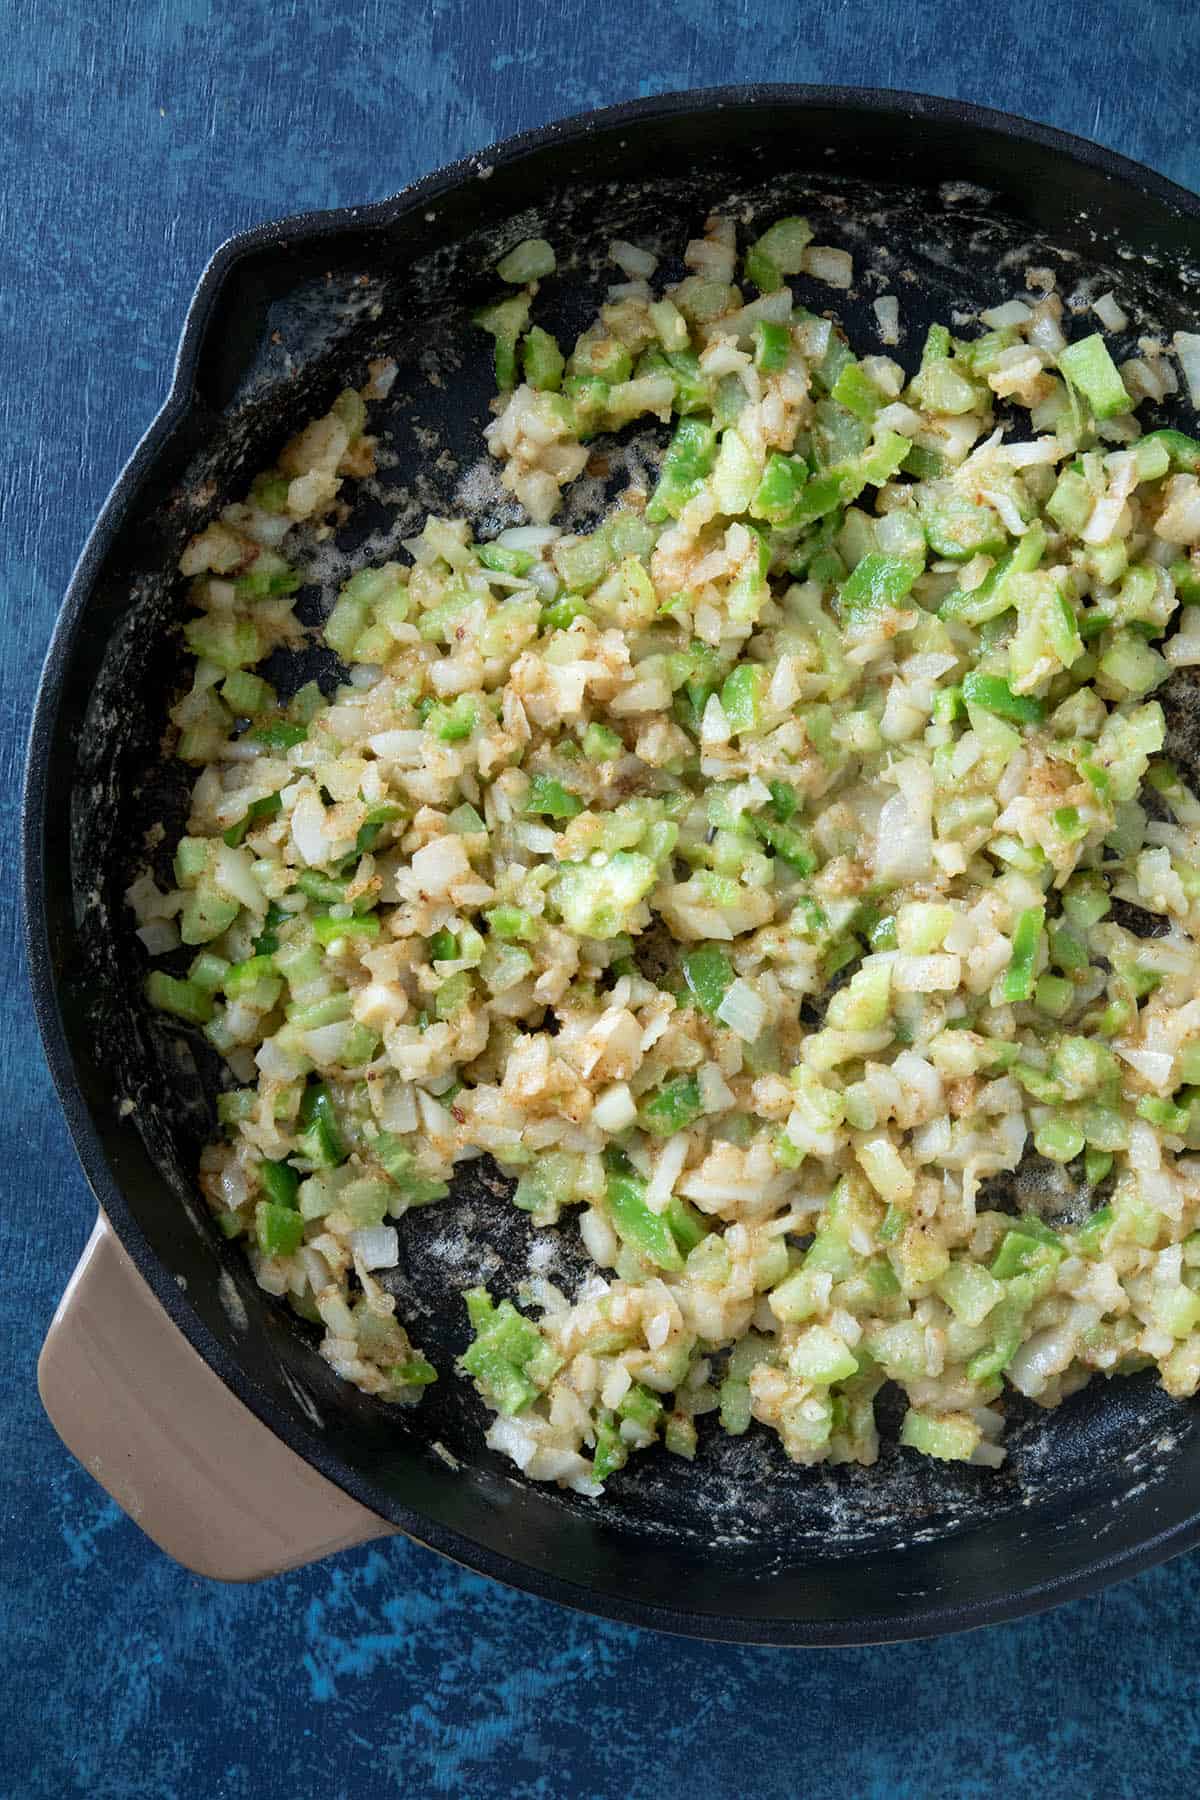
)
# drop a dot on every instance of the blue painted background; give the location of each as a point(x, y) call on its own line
point(133, 138)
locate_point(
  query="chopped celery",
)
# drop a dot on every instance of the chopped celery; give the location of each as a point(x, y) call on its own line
point(1088, 366)
point(185, 1000)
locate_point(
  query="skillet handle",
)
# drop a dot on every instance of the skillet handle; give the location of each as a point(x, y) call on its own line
point(144, 1414)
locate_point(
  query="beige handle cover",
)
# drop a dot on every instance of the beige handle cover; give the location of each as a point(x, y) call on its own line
point(144, 1413)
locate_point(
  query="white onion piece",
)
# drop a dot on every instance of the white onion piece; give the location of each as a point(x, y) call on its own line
point(1187, 349)
point(376, 1246)
point(528, 537)
point(743, 1010)
point(632, 261)
point(887, 311)
point(1109, 313)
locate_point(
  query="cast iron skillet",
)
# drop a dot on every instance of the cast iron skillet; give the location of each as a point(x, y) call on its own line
point(944, 205)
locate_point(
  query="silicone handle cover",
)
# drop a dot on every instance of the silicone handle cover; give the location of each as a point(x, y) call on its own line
point(144, 1414)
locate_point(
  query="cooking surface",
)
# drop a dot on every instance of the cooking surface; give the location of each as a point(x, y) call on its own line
point(389, 1666)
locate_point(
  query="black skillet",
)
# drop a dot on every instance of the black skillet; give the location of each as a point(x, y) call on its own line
point(944, 205)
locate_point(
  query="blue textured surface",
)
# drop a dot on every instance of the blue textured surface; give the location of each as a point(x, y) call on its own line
point(134, 138)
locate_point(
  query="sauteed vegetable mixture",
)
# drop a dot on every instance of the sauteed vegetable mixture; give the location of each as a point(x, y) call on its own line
point(754, 877)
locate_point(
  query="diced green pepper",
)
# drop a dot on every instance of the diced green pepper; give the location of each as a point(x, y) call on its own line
point(877, 582)
point(279, 1229)
point(321, 1139)
point(550, 799)
point(772, 345)
point(994, 695)
point(672, 1107)
point(689, 459)
point(1019, 976)
point(280, 1182)
point(647, 1232)
point(708, 973)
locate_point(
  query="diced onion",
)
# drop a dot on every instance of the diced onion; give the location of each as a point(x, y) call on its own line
point(377, 1246)
point(742, 1010)
point(1187, 349)
point(887, 312)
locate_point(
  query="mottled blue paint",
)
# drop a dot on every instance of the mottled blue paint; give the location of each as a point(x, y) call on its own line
point(135, 138)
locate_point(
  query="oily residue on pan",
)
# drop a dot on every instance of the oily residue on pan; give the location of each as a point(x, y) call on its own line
point(942, 259)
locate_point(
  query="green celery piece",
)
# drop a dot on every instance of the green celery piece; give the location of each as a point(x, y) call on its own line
point(741, 695)
point(185, 1000)
point(399, 1164)
point(208, 971)
point(416, 1372)
point(279, 734)
point(206, 914)
point(511, 924)
point(543, 361)
point(328, 930)
point(795, 848)
point(644, 1231)
point(505, 561)
point(946, 1439)
point(641, 1407)
point(993, 693)
point(672, 1107)
point(562, 613)
point(783, 800)
point(1183, 451)
point(1026, 1248)
point(316, 885)
point(958, 529)
point(612, 1452)
point(504, 320)
point(550, 799)
point(778, 252)
point(246, 694)
point(693, 390)
point(1018, 977)
point(1092, 1232)
point(452, 723)
point(1088, 366)
point(1006, 1322)
point(1162, 1113)
point(857, 392)
point(241, 977)
point(600, 744)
